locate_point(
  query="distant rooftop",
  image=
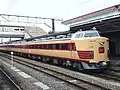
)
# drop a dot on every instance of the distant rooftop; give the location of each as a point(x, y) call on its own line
point(103, 14)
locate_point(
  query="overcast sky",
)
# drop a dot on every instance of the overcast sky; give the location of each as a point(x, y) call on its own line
point(64, 9)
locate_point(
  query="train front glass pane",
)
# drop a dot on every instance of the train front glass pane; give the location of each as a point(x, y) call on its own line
point(91, 34)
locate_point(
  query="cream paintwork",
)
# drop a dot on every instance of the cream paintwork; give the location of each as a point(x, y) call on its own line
point(93, 44)
point(87, 44)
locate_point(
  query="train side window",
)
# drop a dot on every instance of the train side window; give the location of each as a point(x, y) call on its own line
point(50, 46)
point(40, 46)
point(33, 46)
point(44, 46)
point(36, 46)
point(57, 46)
point(64, 46)
point(29, 46)
point(25, 46)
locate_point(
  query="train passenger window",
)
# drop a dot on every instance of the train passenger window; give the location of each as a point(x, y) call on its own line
point(30, 46)
point(50, 46)
point(64, 46)
point(44, 46)
point(40, 46)
point(37, 46)
point(57, 46)
point(33, 46)
point(26, 46)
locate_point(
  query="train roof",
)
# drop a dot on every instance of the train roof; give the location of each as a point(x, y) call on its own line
point(56, 36)
point(49, 35)
point(44, 36)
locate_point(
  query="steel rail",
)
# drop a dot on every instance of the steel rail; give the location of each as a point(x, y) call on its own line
point(10, 79)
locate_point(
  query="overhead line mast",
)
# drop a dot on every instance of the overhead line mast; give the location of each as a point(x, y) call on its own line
point(6, 18)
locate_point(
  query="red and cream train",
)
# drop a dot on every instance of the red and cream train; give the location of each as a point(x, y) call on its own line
point(84, 50)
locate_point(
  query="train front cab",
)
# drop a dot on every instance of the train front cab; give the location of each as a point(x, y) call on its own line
point(92, 50)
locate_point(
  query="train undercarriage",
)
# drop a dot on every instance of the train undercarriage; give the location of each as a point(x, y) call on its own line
point(80, 66)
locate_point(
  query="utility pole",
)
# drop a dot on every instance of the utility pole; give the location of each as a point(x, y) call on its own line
point(53, 25)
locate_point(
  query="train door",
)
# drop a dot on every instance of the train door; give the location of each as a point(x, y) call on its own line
point(73, 48)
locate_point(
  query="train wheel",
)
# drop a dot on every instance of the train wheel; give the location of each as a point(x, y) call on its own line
point(48, 59)
point(64, 63)
point(29, 56)
point(68, 64)
point(55, 61)
point(79, 66)
point(43, 59)
point(39, 57)
point(74, 65)
point(60, 62)
point(32, 57)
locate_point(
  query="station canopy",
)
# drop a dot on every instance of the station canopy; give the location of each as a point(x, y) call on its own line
point(105, 20)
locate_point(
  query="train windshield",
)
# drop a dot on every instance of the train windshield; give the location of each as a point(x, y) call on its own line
point(79, 35)
point(91, 34)
point(85, 34)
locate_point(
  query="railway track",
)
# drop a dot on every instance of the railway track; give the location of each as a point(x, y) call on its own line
point(114, 70)
point(13, 85)
point(107, 75)
point(110, 74)
point(59, 75)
